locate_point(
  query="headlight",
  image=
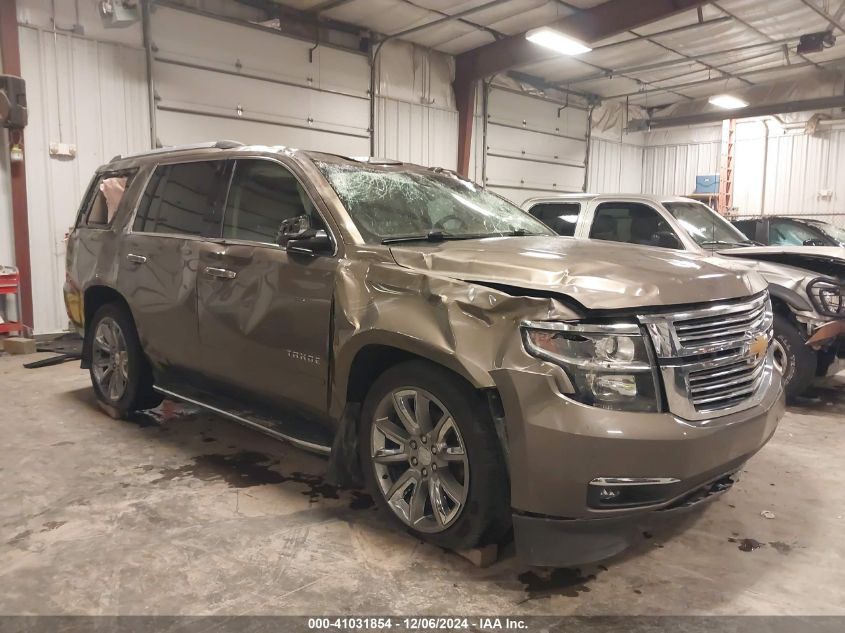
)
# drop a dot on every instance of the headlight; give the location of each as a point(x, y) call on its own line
point(828, 297)
point(609, 365)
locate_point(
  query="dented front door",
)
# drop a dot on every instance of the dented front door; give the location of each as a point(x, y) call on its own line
point(265, 314)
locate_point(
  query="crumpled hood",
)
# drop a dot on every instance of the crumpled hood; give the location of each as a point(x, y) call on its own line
point(823, 260)
point(599, 275)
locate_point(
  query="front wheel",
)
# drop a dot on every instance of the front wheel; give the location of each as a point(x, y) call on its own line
point(432, 458)
point(796, 362)
point(120, 373)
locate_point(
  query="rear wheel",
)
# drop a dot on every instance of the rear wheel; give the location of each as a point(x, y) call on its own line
point(120, 373)
point(432, 458)
point(796, 362)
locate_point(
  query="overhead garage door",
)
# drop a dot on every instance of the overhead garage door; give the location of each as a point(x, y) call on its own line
point(218, 79)
point(534, 146)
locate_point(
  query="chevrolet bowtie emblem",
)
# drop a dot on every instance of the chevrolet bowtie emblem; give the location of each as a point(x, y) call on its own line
point(758, 347)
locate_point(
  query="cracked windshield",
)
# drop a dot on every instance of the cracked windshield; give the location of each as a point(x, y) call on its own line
point(392, 205)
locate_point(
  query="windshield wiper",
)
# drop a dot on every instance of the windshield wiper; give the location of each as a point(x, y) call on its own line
point(519, 233)
point(431, 236)
point(722, 243)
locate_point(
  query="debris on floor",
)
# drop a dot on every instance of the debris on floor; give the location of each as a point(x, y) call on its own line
point(767, 514)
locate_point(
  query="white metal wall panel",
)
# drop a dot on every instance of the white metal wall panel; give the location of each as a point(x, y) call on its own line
point(670, 170)
point(416, 133)
point(749, 165)
point(260, 87)
point(533, 144)
point(7, 243)
point(801, 168)
point(87, 93)
point(615, 167)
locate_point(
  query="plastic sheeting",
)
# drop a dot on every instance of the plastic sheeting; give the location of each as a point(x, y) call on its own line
point(416, 75)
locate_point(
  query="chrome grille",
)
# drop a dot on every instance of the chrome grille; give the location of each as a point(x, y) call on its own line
point(722, 328)
point(725, 385)
point(715, 360)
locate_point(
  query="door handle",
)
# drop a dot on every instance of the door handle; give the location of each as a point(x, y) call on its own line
point(220, 273)
point(136, 259)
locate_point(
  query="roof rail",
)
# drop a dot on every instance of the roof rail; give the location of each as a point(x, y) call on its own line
point(222, 144)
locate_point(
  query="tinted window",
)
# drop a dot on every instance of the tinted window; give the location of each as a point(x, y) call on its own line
point(748, 228)
point(786, 233)
point(560, 217)
point(182, 199)
point(104, 199)
point(263, 193)
point(632, 223)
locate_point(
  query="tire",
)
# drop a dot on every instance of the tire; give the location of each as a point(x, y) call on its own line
point(128, 385)
point(478, 475)
point(798, 361)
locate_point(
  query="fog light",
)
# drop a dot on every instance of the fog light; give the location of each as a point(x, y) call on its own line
point(614, 387)
point(606, 494)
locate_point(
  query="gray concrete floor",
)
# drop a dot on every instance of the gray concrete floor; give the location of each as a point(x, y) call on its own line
point(193, 514)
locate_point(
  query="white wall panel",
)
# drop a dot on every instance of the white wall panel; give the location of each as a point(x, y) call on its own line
point(415, 115)
point(87, 93)
point(615, 167)
point(670, 170)
point(7, 243)
point(416, 133)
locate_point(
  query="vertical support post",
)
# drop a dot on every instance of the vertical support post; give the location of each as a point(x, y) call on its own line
point(11, 55)
point(465, 102)
point(146, 26)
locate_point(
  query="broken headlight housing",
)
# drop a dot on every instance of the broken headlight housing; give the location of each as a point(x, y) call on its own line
point(828, 297)
point(609, 365)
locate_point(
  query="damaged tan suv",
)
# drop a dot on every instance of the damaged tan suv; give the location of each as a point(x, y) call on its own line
point(475, 370)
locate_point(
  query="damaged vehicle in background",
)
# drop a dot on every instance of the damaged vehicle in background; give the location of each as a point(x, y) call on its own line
point(786, 231)
point(806, 283)
point(477, 371)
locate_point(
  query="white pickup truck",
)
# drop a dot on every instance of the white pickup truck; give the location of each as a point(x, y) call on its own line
point(806, 283)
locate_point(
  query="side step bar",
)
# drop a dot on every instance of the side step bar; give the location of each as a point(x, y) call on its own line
point(305, 445)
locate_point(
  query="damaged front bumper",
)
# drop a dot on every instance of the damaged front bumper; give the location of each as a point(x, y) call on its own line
point(558, 449)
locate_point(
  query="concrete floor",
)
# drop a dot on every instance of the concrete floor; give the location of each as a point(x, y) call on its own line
point(194, 514)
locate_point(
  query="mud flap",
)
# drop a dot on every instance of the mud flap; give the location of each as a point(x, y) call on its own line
point(344, 466)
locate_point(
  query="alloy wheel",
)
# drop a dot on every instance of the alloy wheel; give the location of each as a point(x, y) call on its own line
point(780, 357)
point(110, 359)
point(420, 459)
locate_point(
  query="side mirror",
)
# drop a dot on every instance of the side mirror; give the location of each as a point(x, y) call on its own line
point(815, 241)
point(667, 239)
point(317, 242)
point(298, 236)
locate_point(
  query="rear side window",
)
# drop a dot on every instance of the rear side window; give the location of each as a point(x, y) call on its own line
point(104, 199)
point(262, 195)
point(183, 199)
point(748, 228)
point(561, 217)
point(629, 222)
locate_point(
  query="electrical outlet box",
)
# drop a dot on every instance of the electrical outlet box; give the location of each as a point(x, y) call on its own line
point(63, 150)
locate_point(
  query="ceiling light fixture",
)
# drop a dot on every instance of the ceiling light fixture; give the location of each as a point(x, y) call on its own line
point(557, 41)
point(727, 102)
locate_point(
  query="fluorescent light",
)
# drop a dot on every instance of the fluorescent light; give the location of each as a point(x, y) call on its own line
point(557, 41)
point(727, 102)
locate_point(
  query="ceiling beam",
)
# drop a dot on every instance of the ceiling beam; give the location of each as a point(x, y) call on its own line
point(835, 21)
point(825, 64)
point(806, 105)
point(450, 17)
point(751, 27)
point(686, 60)
point(602, 21)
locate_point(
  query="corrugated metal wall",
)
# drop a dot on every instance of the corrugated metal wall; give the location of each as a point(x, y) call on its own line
point(415, 118)
point(93, 95)
point(615, 167)
point(673, 158)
